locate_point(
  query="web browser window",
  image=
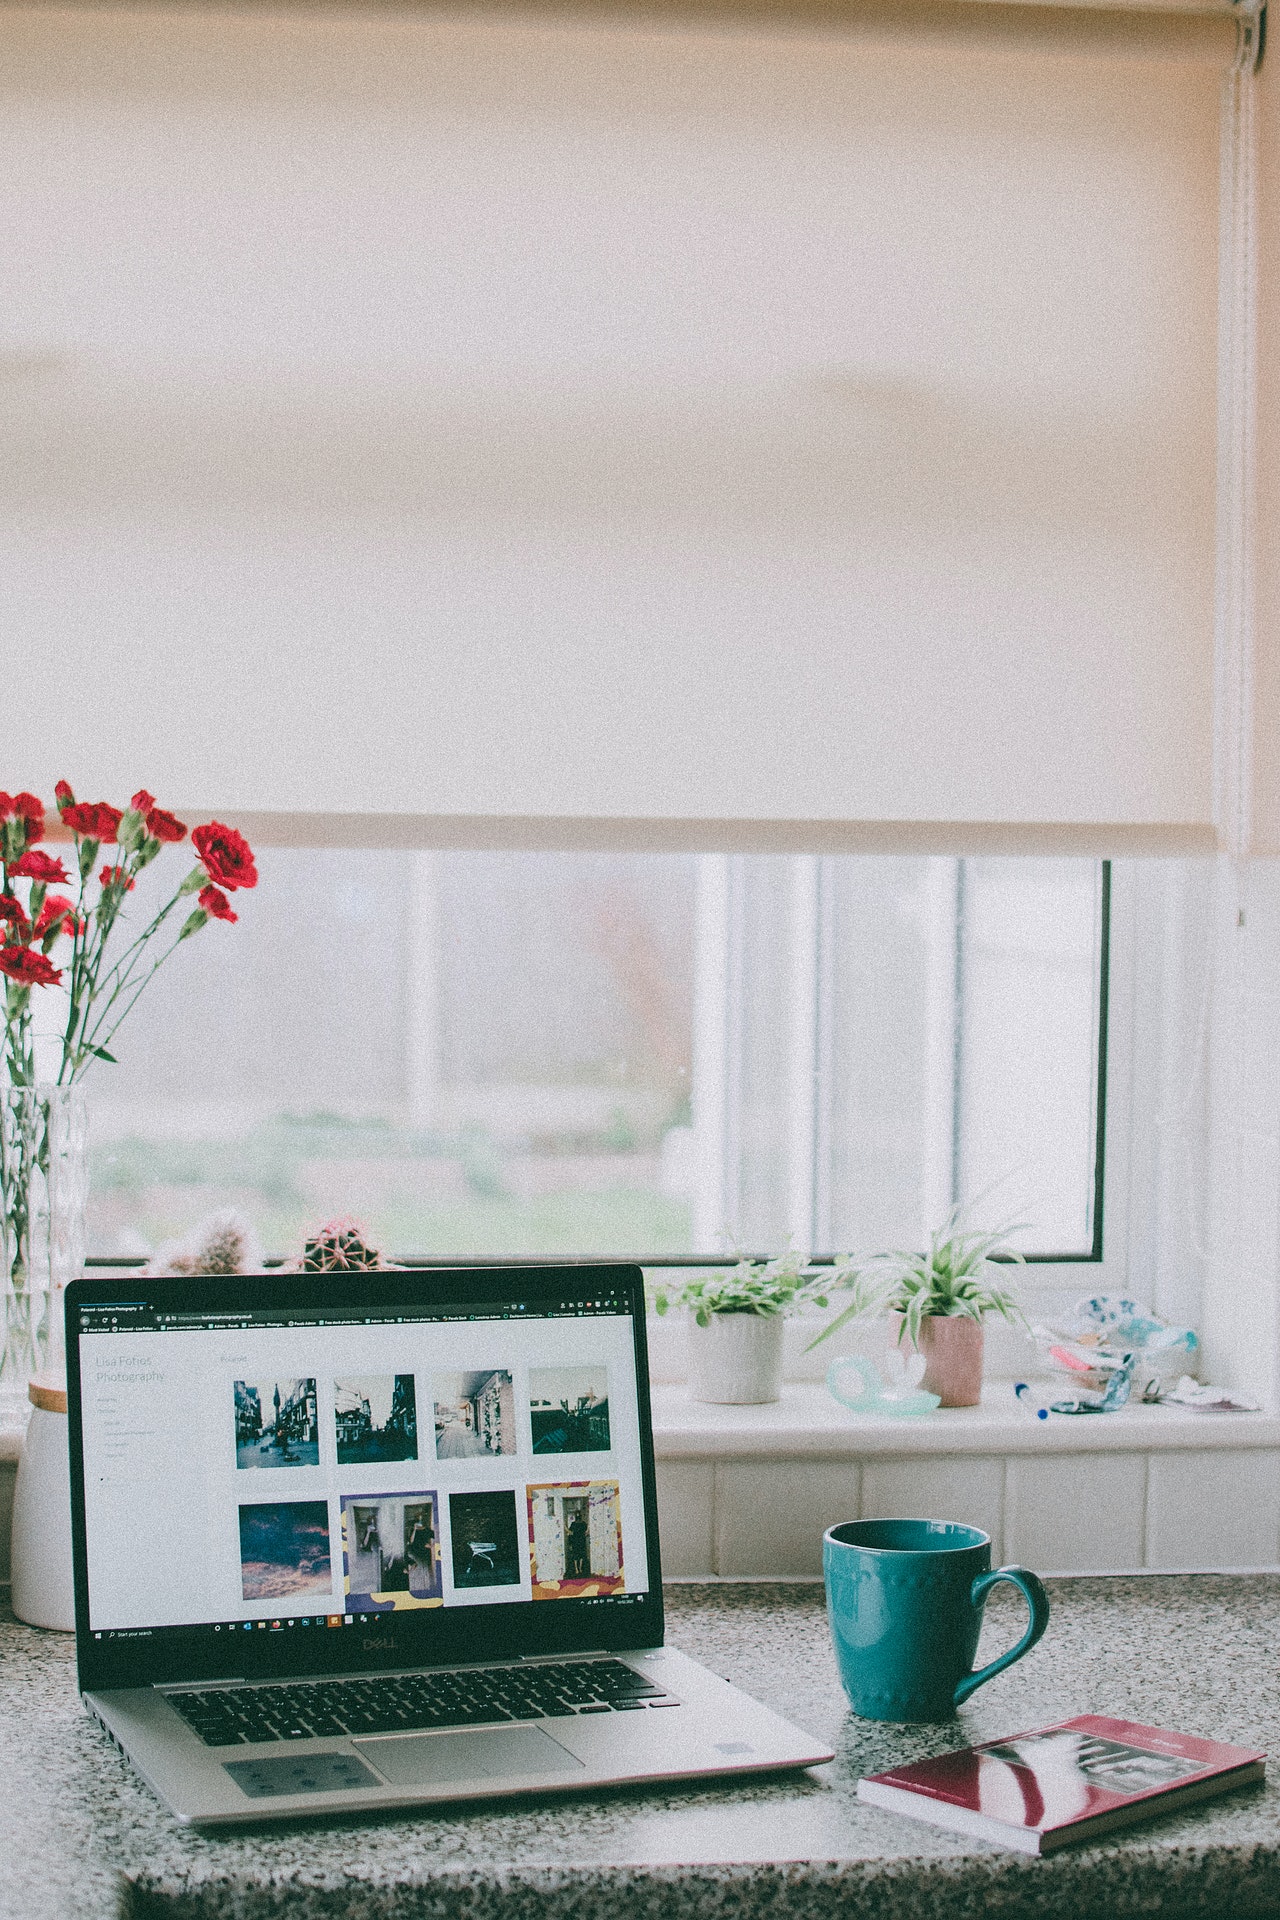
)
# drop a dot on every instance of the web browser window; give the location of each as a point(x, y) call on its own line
point(273, 1470)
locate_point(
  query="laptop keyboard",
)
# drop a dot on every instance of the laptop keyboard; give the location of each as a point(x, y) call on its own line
point(311, 1709)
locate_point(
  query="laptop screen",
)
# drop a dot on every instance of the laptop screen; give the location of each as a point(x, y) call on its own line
point(411, 1462)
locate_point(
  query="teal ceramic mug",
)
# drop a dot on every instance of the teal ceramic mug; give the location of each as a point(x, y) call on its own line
point(905, 1601)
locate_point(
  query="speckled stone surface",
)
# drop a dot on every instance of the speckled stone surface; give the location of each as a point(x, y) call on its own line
point(81, 1838)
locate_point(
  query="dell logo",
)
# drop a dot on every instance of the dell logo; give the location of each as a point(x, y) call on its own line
point(376, 1646)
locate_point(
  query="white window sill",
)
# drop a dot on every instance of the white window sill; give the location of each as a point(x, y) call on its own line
point(807, 1422)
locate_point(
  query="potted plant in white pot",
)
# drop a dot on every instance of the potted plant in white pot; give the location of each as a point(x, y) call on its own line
point(735, 1326)
point(940, 1298)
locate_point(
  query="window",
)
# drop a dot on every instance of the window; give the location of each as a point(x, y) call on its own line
point(658, 1056)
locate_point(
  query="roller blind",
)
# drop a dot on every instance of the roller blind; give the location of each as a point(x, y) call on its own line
point(570, 428)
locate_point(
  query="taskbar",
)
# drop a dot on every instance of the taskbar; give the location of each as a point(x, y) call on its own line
point(395, 1616)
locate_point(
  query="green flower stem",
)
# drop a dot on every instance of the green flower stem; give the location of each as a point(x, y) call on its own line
point(123, 980)
point(94, 1046)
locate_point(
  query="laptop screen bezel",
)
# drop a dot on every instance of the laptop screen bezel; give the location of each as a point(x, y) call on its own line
point(444, 1637)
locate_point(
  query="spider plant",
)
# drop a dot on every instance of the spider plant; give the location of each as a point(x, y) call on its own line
point(962, 1274)
point(763, 1287)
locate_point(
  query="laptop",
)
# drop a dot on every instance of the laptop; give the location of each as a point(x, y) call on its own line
point(359, 1541)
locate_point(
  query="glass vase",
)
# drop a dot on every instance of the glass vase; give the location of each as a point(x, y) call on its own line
point(44, 1190)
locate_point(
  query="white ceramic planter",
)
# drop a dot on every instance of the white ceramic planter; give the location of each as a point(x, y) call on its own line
point(43, 1587)
point(736, 1360)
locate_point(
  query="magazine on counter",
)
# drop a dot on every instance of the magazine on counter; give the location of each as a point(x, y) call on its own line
point(1063, 1784)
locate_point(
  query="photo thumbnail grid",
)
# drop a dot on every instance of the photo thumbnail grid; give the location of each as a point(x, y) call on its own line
point(396, 1545)
point(393, 1547)
point(375, 1416)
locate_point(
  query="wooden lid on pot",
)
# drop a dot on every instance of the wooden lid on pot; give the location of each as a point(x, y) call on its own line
point(49, 1391)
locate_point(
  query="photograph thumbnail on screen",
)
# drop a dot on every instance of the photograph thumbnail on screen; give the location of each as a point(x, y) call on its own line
point(475, 1415)
point(485, 1540)
point(391, 1551)
point(284, 1550)
point(276, 1425)
point(375, 1418)
point(575, 1539)
point(569, 1409)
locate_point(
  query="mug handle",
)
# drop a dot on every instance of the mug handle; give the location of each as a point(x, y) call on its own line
point(1032, 1591)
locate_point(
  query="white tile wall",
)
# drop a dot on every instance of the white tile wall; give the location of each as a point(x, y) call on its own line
point(932, 1488)
point(1217, 1509)
point(1076, 1513)
point(1068, 1512)
point(771, 1514)
point(686, 1515)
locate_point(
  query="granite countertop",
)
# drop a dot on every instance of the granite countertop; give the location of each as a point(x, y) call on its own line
point(81, 1838)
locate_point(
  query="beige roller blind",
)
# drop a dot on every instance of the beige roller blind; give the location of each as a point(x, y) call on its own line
point(774, 434)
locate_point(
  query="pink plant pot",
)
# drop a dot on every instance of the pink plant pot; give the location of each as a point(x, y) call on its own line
point(952, 1349)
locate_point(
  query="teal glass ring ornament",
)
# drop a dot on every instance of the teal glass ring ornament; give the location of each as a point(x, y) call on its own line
point(858, 1384)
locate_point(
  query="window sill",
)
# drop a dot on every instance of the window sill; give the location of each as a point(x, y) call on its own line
point(807, 1422)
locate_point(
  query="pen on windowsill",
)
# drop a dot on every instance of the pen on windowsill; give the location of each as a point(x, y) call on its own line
point(1032, 1399)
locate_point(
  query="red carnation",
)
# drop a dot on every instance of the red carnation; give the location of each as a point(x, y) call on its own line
point(31, 808)
point(63, 795)
point(114, 877)
point(56, 910)
point(216, 904)
point(6, 806)
point(11, 911)
point(226, 855)
point(164, 826)
point(35, 865)
point(95, 820)
point(29, 968)
point(142, 801)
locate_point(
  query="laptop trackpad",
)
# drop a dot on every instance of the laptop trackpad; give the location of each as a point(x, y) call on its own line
point(435, 1759)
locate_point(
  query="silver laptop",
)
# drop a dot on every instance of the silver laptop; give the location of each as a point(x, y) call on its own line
point(379, 1540)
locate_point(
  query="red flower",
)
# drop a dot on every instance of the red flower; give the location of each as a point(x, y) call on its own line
point(95, 820)
point(142, 801)
point(29, 968)
point(216, 904)
point(162, 825)
point(114, 877)
point(31, 809)
point(35, 865)
point(226, 854)
point(63, 795)
point(6, 806)
point(11, 911)
point(57, 913)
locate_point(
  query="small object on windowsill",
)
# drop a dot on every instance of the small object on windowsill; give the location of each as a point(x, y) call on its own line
point(223, 1242)
point(735, 1326)
point(1103, 1335)
point(940, 1299)
point(1031, 1399)
point(1191, 1394)
point(340, 1247)
point(899, 1395)
point(1114, 1395)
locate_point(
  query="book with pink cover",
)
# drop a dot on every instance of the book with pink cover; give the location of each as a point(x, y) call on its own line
point(1062, 1784)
